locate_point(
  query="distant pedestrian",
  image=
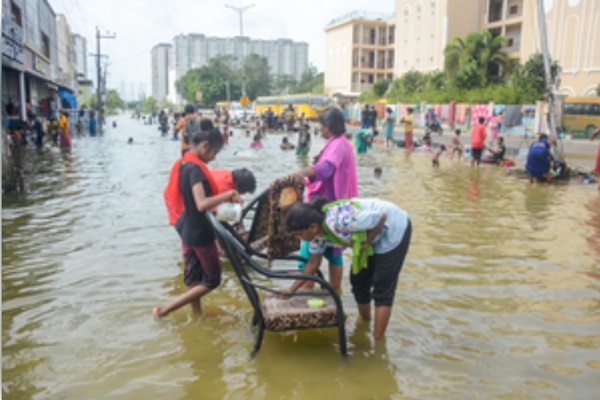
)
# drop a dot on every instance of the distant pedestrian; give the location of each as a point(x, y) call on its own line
point(364, 117)
point(188, 126)
point(478, 136)
point(372, 118)
point(457, 146)
point(408, 129)
point(37, 130)
point(435, 157)
point(390, 117)
point(93, 122)
point(64, 131)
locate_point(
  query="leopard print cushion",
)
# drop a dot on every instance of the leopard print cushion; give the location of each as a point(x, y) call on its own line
point(280, 242)
point(295, 313)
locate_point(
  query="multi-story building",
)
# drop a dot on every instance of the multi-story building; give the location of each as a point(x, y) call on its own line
point(67, 75)
point(162, 60)
point(423, 29)
point(30, 58)
point(572, 32)
point(284, 56)
point(360, 49)
point(80, 56)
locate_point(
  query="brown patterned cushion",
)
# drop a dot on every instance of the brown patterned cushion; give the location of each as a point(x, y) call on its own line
point(283, 193)
point(295, 313)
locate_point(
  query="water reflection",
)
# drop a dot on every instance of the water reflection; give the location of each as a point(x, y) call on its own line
point(499, 296)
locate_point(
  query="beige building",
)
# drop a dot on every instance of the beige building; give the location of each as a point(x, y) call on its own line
point(424, 28)
point(573, 32)
point(359, 51)
point(362, 48)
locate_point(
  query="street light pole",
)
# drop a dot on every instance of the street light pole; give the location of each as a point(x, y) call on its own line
point(240, 11)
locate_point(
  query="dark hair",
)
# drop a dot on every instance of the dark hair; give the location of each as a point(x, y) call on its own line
point(481, 120)
point(457, 131)
point(244, 180)
point(212, 136)
point(333, 119)
point(257, 137)
point(443, 147)
point(284, 140)
point(388, 109)
point(302, 215)
point(543, 136)
point(410, 110)
point(501, 139)
point(378, 170)
point(206, 124)
point(189, 109)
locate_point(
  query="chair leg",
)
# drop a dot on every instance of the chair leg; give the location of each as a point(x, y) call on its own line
point(342, 332)
point(259, 338)
point(254, 320)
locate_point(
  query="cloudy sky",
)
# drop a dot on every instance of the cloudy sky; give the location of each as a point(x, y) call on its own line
point(140, 24)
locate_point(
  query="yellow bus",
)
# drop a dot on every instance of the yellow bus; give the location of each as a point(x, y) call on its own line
point(222, 105)
point(581, 115)
point(309, 104)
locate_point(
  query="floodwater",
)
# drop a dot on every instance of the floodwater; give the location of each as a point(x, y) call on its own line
point(499, 296)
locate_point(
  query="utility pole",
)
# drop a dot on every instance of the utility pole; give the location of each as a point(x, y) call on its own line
point(240, 11)
point(548, 74)
point(99, 74)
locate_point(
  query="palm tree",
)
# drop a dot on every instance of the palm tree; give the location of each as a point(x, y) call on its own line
point(481, 49)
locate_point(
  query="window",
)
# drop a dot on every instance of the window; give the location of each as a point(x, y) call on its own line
point(45, 45)
point(371, 78)
point(511, 42)
point(15, 13)
point(513, 10)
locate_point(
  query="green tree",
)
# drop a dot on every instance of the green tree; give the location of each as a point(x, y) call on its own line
point(380, 87)
point(113, 101)
point(148, 105)
point(530, 78)
point(477, 61)
point(258, 78)
point(211, 80)
point(311, 81)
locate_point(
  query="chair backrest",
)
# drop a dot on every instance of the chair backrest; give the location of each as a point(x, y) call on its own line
point(260, 221)
point(283, 192)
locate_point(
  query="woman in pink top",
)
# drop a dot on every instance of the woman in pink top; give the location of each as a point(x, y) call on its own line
point(332, 176)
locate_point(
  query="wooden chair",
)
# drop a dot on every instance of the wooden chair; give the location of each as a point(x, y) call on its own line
point(271, 312)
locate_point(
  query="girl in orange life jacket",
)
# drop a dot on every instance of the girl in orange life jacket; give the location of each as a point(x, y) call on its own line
point(199, 190)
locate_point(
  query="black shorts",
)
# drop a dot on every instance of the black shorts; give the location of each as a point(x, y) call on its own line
point(476, 153)
point(379, 280)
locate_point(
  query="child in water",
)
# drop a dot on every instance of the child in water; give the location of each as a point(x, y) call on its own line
point(200, 193)
point(457, 147)
point(286, 145)
point(379, 234)
point(256, 144)
point(435, 159)
point(378, 171)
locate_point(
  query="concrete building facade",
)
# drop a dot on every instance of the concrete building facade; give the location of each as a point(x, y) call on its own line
point(423, 28)
point(573, 32)
point(80, 56)
point(360, 49)
point(66, 72)
point(162, 60)
point(284, 56)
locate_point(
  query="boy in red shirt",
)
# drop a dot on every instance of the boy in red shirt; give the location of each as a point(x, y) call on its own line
point(478, 136)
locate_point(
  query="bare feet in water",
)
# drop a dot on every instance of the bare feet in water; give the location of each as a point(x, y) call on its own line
point(157, 311)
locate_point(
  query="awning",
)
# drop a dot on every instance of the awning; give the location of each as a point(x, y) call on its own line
point(68, 97)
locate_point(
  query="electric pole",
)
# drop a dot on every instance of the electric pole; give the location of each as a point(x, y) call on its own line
point(240, 11)
point(99, 74)
point(548, 73)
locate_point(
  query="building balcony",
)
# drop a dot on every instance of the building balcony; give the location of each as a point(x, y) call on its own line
point(360, 87)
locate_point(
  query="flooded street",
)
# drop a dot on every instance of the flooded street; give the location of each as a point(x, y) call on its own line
point(499, 296)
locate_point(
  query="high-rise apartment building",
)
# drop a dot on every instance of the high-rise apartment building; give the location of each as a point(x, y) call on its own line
point(162, 60)
point(423, 28)
point(284, 56)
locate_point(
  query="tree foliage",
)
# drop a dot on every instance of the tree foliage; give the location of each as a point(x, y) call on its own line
point(531, 77)
point(113, 101)
point(213, 79)
point(477, 61)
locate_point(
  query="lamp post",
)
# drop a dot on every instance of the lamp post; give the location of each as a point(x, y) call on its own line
point(240, 11)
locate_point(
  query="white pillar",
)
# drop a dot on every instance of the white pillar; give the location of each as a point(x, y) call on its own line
point(22, 95)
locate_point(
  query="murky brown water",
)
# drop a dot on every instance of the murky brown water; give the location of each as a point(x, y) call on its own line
point(499, 297)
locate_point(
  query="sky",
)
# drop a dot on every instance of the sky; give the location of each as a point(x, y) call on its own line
point(141, 24)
